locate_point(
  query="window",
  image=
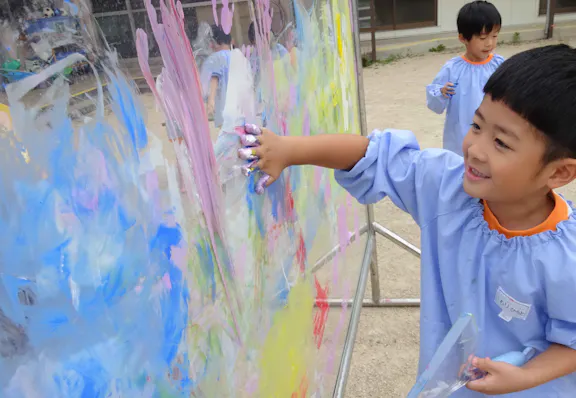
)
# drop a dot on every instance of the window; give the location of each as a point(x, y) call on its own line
point(397, 14)
point(562, 6)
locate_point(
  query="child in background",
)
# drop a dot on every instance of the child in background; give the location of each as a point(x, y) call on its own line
point(458, 86)
point(214, 75)
point(277, 49)
point(497, 241)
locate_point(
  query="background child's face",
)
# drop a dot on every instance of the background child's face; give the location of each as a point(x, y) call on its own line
point(503, 156)
point(481, 46)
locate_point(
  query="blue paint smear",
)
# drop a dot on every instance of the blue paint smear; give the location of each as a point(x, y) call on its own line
point(81, 246)
point(208, 266)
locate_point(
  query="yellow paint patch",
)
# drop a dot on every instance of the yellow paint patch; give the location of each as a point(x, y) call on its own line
point(289, 347)
point(339, 35)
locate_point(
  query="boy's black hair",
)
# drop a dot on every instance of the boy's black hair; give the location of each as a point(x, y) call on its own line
point(478, 17)
point(540, 86)
point(219, 36)
point(252, 33)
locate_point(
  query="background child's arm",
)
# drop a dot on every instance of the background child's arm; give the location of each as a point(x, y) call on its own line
point(212, 94)
point(435, 99)
point(557, 361)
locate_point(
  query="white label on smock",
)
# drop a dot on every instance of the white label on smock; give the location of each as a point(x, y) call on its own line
point(511, 308)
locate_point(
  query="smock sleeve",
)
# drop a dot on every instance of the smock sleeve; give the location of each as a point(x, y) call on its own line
point(205, 76)
point(561, 299)
point(418, 182)
point(435, 101)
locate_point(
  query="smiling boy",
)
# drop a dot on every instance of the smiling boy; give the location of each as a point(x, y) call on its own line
point(495, 235)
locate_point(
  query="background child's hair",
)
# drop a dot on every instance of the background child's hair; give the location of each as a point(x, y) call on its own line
point(540, 85)
point(219, 36)
point(478, 17)
point(252, 33)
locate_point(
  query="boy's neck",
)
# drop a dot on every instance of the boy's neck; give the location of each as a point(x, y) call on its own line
point(521, 216)
point(472, 58)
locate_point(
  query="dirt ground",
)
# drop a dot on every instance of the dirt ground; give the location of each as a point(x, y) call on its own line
point(385, 355)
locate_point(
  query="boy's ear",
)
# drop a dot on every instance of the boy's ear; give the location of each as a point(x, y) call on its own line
point(462, 39)
point(564, 173)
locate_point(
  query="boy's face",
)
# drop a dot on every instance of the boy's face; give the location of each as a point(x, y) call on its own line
point(481, 46)
point(503, 156)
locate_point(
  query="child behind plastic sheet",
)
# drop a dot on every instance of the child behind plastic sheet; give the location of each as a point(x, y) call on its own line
point(214, 75)
point(458, 87)
point(497, 241)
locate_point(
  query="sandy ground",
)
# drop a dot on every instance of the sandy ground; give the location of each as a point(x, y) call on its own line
point(385, 355)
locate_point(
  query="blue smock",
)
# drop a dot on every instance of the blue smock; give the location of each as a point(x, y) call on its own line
point(216, 65)
point(470, 79)
point(522, 291)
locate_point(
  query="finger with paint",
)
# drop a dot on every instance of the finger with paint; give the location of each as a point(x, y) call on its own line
point(252, 129)
point(247, 154)
point(249, 140)
point(261, 184)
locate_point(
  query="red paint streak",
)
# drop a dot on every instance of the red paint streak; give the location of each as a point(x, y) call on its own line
point(322, 313)
point(289, 203)
point(302, 390)
point(301, 253)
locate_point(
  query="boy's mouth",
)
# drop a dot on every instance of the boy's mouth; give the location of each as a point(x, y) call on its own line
point(475, 175)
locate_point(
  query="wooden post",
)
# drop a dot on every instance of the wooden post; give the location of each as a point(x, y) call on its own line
point(373, 28)
point(550, 11)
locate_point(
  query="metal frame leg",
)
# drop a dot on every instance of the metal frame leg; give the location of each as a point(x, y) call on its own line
point(370, 258)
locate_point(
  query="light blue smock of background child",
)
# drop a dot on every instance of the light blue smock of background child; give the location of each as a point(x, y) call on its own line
point(470, 79)
point(466, 266)
point(216, 65)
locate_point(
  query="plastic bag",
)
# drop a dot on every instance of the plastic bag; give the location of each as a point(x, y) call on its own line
point(450, 368)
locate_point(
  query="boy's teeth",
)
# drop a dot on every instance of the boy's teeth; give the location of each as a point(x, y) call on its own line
point(477, 173)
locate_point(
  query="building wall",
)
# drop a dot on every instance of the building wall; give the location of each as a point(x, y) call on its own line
point(514, 13)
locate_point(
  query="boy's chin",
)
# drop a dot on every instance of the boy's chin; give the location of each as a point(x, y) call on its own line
point(473, 191)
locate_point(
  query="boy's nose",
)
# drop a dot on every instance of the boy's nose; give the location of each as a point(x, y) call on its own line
point(475, 152)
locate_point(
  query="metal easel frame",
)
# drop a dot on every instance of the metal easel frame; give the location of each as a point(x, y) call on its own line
point(370, 259)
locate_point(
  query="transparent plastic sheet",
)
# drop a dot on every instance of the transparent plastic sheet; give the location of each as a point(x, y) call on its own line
point(450, 368)
point(137, 260)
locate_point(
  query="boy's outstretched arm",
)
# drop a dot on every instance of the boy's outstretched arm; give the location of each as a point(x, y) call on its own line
point(557, 361)
point(388, 163)
point(334, 151)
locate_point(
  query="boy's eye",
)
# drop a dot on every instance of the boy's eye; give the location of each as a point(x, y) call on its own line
point(501, 144)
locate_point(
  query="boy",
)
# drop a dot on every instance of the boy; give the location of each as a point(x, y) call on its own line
point(497, 241)
point(214, 75)
point(458, 86)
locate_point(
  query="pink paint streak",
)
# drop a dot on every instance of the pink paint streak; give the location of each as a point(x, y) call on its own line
point(343, 233)
point(356, 216)
point(226, 14)
point(179, 256)
point(339, 328)
point(166, 281)
point(306, 126)
point(182, 100)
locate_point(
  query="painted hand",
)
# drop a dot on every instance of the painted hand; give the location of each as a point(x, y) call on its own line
point(266, 152)
point(501, 377)
point(448, 90)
